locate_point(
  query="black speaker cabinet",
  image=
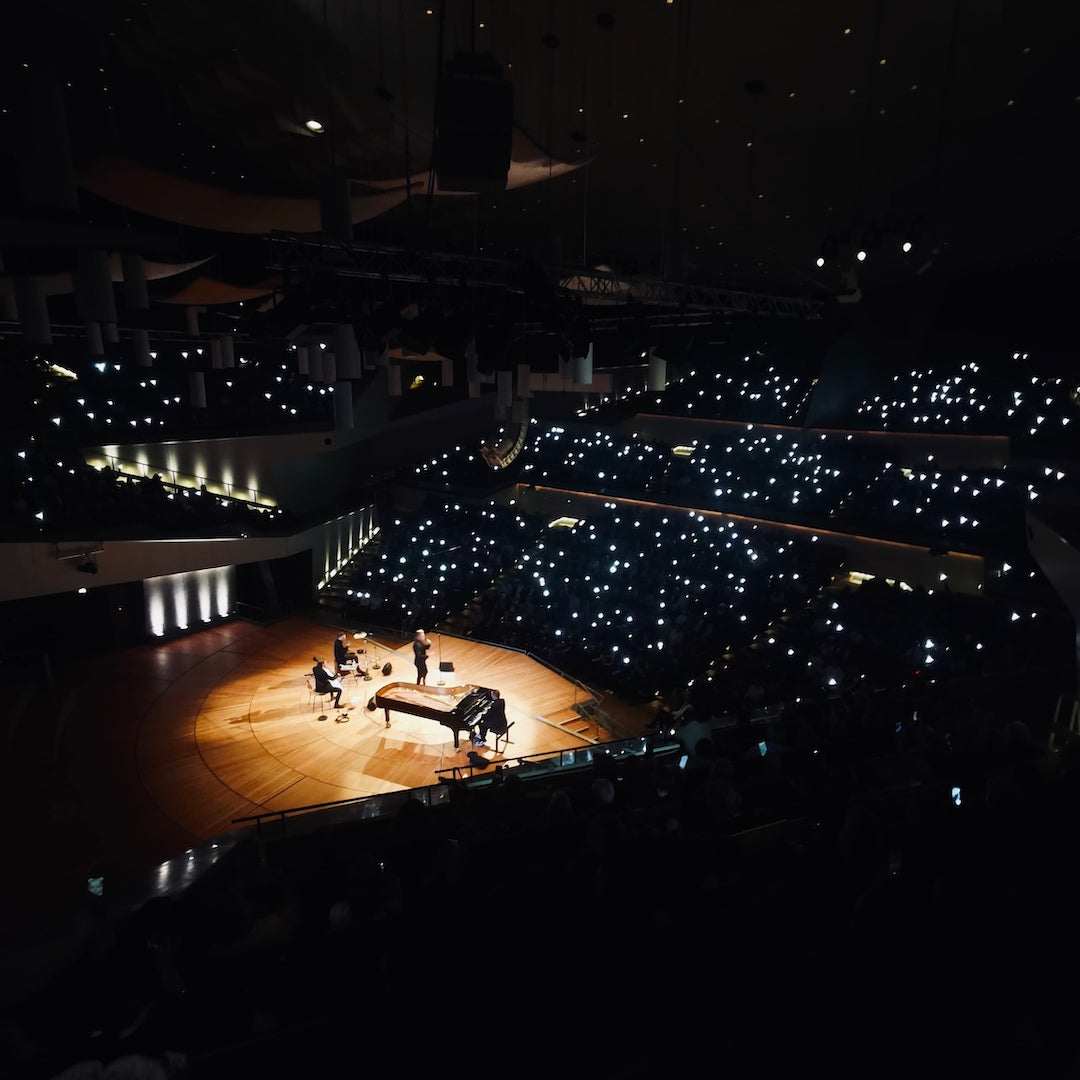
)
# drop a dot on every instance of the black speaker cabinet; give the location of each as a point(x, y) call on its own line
point(475, 132)
point(446, 665)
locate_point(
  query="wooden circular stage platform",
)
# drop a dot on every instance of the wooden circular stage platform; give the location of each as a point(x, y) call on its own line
point(135, 762)
point(171, 743)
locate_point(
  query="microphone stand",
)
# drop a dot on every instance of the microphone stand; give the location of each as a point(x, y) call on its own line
point(364, 640)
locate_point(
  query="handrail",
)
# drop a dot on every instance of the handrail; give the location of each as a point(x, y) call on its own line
point(577, 683)
point(137, 470)
point(172, 488)
point(580, 684)
point(380, 805)
point(566, 758)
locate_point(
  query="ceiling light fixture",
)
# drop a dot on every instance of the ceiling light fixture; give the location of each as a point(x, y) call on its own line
point(314, 127)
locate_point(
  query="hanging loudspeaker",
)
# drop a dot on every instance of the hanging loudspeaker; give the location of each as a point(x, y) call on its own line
point(475, 126)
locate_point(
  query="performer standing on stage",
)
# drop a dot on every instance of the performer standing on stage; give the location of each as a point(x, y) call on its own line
point(421, 644)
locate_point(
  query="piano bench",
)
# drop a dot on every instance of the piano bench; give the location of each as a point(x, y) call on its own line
point(503, 736)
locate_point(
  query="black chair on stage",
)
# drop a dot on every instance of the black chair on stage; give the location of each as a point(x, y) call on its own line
point(502, 736)
point(494, 723)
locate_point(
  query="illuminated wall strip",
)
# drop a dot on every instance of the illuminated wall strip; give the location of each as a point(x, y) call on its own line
point(178, 602)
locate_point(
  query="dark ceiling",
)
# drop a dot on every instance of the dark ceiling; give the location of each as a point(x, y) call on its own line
point(717, 142)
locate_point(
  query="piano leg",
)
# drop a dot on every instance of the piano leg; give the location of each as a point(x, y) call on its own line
point(387, 717)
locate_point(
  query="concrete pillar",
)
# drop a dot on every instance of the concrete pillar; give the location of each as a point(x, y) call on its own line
point(141, 343)
point(583, 369)
point(33, 311)
point(136, 292)
point(228, 355)
point(343, 406)
point(94, 297)
point(657, 371)
point(95, 344)
point(503, 389)
point(197, 389)
point(347, 352)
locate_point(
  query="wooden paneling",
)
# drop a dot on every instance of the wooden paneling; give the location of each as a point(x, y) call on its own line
point(220, 725)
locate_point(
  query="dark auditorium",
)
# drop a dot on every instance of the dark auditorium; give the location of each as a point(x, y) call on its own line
point(704, 380)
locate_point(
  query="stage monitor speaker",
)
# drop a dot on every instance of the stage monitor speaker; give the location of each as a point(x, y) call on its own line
point(446, 665)
point(371, 704)
point(386, 668)
point(475, 131)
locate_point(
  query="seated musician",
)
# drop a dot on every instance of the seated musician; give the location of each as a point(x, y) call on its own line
point(325, 683)
point(343, 655)
point(493, 719)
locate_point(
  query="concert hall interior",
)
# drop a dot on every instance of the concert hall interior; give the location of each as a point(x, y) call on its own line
point(701, 377)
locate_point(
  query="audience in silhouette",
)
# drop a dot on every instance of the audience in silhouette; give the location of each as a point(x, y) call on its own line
point(842, 846)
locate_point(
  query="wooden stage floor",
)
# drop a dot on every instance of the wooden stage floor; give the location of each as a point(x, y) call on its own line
point(147, 753)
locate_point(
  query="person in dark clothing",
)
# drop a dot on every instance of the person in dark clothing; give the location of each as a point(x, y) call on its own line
point(325, 683)
point(343, 655)
point(421, 644)
point(494, 719)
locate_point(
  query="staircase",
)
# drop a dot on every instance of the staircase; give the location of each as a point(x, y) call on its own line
point(584, 720)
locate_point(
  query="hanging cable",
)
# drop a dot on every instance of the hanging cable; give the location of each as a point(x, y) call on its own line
point(405, 107)
point(432, 170)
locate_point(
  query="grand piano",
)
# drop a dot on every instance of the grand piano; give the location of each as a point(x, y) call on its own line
point(460, 708)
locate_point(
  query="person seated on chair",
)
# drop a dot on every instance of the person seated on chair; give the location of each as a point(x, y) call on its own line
point(325, 683)
point(342, 653)
point(494, 719)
